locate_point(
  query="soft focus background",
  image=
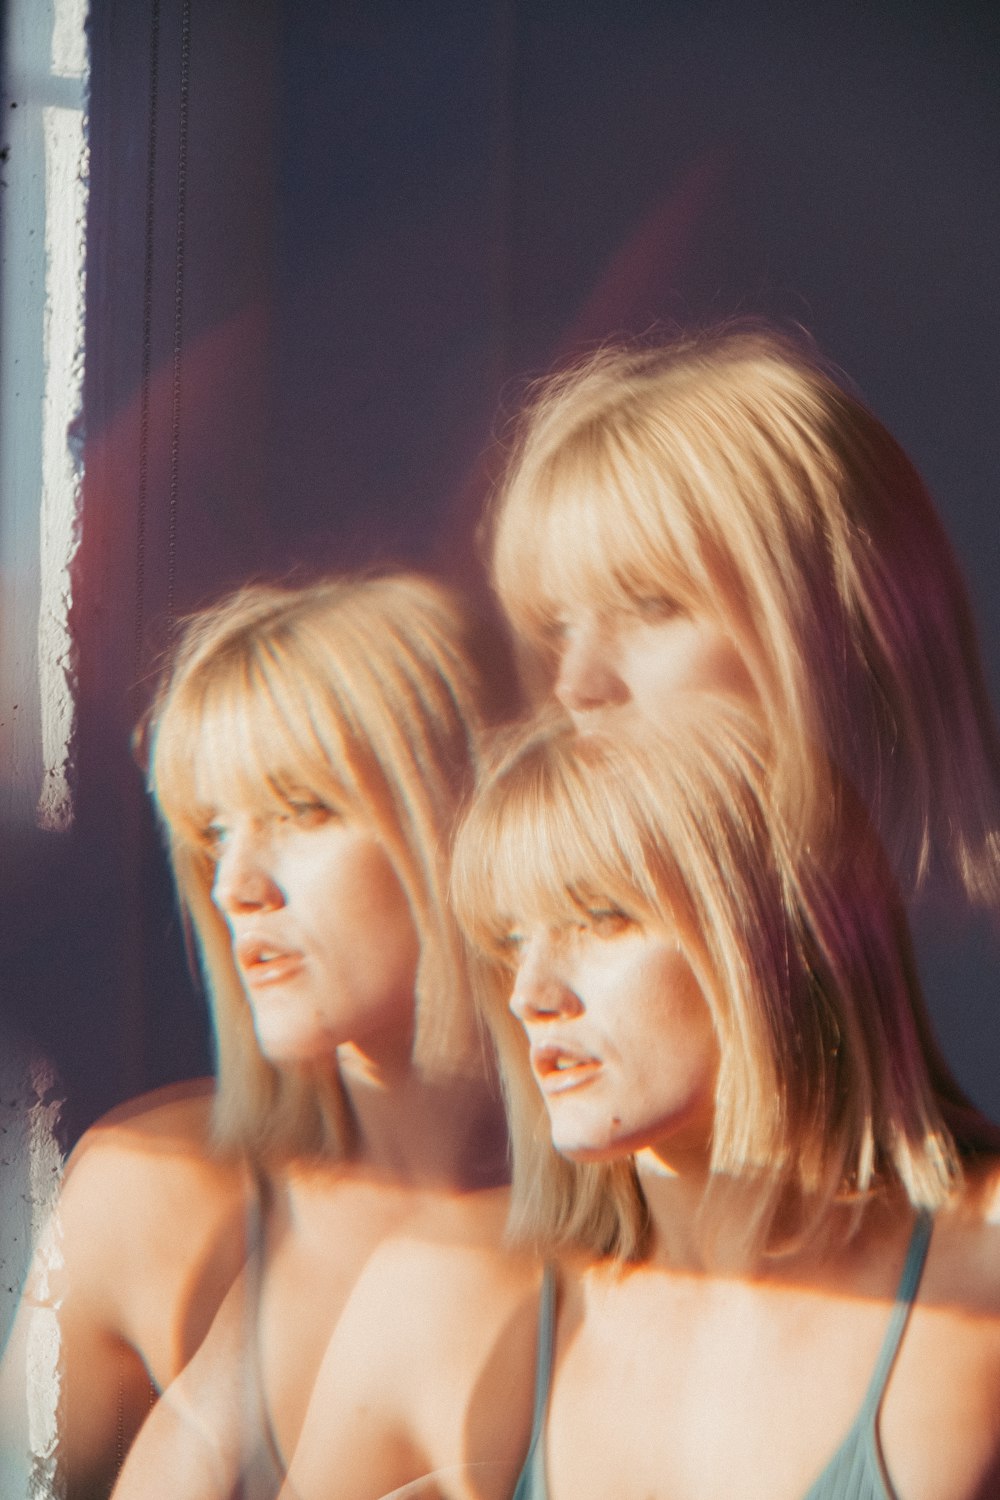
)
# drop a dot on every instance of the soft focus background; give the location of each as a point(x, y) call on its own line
point(326, 245)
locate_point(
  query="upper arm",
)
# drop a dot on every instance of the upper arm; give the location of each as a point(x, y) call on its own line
point(67, 1371)
point(108, 1301)
point(205, 1434)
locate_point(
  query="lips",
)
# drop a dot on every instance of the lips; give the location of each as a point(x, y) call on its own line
point(559, 1068)
point(263, 963)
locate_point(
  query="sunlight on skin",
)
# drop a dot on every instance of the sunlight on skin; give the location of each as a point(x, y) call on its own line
point(742, 1337)
point(322, 934)
point(583, 995)
point(630, 665)
point(622, 1043)
point(339, 1114)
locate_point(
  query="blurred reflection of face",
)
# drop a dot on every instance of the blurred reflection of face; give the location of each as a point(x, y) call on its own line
point(322, 931)
point(622, 1042)
point(633, 663)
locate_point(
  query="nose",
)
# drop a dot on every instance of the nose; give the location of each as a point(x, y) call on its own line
point(244, 881)
point(589, 675)
point(540, 991)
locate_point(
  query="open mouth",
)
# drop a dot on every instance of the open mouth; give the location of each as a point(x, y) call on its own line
point(262, 964)
point(558, 1069)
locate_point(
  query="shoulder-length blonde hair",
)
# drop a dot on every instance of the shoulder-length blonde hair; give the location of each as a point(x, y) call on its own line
point(368, 693)
point(830, 1085)
point(730, 474)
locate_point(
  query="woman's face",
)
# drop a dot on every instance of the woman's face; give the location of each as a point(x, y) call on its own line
point(633, 663)
point(322, 932)
point(622, 1043)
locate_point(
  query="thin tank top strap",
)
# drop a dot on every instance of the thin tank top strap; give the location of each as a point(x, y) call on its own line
point(909, 1284)
point(532, 1484)
point(256, 1212)
point(259, 1420)
point(546, 1344)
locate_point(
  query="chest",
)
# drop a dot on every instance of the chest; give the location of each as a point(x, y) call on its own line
point(667, 1393)
point(314, 1256)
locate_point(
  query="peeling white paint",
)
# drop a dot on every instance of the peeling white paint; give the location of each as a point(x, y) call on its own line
point(43, 1344)
point(44, 1156)
point(69, 39)
point(66, 187)
point(30, 1183)
point(42, 1380)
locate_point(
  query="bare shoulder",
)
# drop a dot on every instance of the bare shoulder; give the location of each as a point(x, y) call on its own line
point(940, 1425)
point(965, 1266)
point(986, 1190)
point(467, 1306)
point(173, 1121)
point(133, 1155)
point(144, 1199)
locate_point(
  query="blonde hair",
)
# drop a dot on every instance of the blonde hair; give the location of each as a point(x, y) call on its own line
point(368, 694)
point(829, 1085)
point(732, 476)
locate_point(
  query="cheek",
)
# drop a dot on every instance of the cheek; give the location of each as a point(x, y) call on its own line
point(359, 920)
point(376, 898)
point(689, 657)
point(675, 1067)
point(661, 1054)
point(671, 1059)
point(355, 889)
point(725, 670)
point(377, 929)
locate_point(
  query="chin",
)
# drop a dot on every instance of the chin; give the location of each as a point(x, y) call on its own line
point(590, 1148)
point(603, 1140)
point(285, 1050)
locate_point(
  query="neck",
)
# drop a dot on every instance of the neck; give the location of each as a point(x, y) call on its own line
point(443, 1130)
point(722, 1241)
point(674, 1194)
point(700, 1222)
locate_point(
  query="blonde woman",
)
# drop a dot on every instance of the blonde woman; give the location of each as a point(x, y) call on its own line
point(307, 749)
point(774, 1223)
point(720, 512)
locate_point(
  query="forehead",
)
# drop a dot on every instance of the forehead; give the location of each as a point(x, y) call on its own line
point(550, 858)
point(595, 545)
point(245, 751)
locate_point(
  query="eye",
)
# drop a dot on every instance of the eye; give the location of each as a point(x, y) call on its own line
point(509, 944)
point(554, 631)
point(212, 838)
point(656, 607)
point(606, 921)
point(306, 812)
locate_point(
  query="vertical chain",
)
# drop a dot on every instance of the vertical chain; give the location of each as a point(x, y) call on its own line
point(147, 333)
point(175, 387)
point(504, 144)
point(120, 1421)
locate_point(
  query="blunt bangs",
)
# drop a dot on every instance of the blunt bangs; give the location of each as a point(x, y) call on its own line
point(244, 733)
point(699, 474)
point(588, 525)
point(829, 1086)
point(368, 694)
point(549, 843)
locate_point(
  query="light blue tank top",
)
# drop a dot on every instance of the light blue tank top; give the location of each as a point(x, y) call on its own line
point(856, 1470)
